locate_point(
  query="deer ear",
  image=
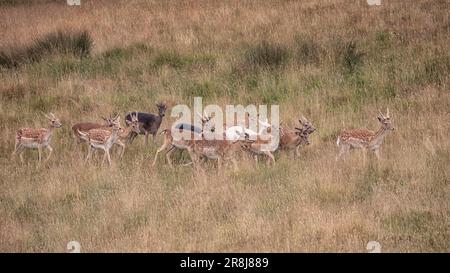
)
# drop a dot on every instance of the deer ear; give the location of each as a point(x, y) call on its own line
point(380, 119)
point(127, 122)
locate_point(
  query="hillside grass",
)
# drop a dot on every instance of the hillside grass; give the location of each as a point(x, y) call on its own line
point(335, 62)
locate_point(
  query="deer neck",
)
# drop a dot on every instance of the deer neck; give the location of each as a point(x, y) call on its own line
point(378, 137)
point(49, 132)
point(114, 133)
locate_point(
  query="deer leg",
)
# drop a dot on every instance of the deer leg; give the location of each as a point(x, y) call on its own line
point(377, 154)
point(256, 158)
point(121, 144)
point(21, 155)
point(168, 153)
point(218, 164)
point(131, 138)
point(89, 153)
point(19, 150)
point(297, 151)
point(195, 160)
point(145, 138)
point(104, 156)
point(271, 157)
point(108, 157)
point(40, 152)
point(364, 151)
point(162, 148)
point(50, 151)
point(344, 150)
point(17, 146)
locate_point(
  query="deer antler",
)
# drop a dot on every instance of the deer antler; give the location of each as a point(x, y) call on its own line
point(387, 112)
point(45, 115)
point(134, 116)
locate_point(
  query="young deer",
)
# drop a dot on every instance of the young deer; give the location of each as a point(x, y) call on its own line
point(363, 138)
point(262, 146)
point(36, 138)
point(292, 140)
point(103, 139)
point(220, 150)
point(125, 135)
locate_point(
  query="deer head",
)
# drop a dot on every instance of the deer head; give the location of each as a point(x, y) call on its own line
point(161, 109)
point(116, 122)
point(54, 122)
point(385, 120)
point(308, 128)
point(134, 123)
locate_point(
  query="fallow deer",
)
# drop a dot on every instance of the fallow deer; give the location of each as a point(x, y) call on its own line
point(102, 139)
point(264, 146)
point(36, 138)
point(363, 138)
point(149, 123)
point(220, 150)
point(291, 140)
point(170, 144)
point(86, 126)
point(125, 135)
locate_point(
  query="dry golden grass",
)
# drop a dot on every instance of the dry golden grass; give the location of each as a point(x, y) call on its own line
point(149, 51)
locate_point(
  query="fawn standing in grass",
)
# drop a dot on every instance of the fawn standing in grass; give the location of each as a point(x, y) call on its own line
point(220, 150)
point(103, 139)
point(125, 135)
point(264, 146)
point(36, 138)
point(363, 138)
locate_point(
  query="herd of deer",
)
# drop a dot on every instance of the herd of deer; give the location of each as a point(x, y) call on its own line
point(104, 136)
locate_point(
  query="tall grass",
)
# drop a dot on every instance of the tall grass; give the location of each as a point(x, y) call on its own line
point(77, 44)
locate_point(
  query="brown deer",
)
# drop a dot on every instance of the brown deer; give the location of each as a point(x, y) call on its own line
point(125, 135)
point(102, 139)
point(36, 138)
point(363, 138)
point(86, 126)
point(264, 146)
point(292, 140)
point(220, 150)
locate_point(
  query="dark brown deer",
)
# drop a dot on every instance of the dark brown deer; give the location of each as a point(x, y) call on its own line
point(149, 123)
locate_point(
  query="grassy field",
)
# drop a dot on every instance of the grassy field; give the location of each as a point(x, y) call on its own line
point(334, 61)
